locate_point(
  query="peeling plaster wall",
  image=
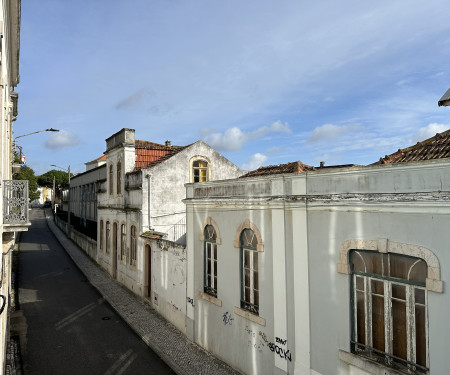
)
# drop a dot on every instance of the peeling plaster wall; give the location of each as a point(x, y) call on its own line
point(169, 281)
point(167, 184)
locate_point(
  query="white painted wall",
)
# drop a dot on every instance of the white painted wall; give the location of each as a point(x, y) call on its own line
point(304, 219)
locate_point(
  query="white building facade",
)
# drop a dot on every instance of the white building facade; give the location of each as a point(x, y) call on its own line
point(141, 215)
point(324, 272)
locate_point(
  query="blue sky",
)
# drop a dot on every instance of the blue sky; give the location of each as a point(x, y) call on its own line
point(263, 82)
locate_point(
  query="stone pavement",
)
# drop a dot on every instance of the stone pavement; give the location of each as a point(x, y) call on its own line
point(181, 354)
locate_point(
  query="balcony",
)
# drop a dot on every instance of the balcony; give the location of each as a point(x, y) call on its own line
point(15, 206)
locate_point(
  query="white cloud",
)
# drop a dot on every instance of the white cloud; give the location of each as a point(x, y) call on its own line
point(254, 162)
point(62, 139)
point(234, 138)
point(429, 131)
point(273, 150)
point(330, 131)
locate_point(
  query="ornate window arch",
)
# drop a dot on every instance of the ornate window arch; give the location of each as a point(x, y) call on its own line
point(383, 245)
point(248, 224)
point(210, 221)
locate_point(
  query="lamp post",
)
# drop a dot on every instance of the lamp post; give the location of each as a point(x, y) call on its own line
point(39, 131)
point(68, 196)
point(24, 135)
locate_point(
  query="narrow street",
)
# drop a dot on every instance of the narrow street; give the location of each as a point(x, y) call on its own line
point(71, 329)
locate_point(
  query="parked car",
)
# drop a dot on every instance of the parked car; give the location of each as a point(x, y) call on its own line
point(47, 204)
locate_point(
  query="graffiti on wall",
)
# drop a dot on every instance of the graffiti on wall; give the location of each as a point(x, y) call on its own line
point(279, 348)
point(227, 318)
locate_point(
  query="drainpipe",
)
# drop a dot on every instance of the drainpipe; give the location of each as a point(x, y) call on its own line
point(148, 177)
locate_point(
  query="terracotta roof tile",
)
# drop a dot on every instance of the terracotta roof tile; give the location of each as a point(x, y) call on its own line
point(294, 167)
point(149, 154)
point(101, 158)
point(437, 147)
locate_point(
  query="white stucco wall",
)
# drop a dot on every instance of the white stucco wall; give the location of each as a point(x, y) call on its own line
point(166, 181)
point(304, 220)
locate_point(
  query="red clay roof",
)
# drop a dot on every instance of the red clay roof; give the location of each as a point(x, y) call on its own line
point(103, 157)
point(437, 147)
point(149, 154)
point(294, 167)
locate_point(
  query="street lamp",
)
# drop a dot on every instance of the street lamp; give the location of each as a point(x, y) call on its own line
point(24, 135)
point(39, 131)
point(68, 195)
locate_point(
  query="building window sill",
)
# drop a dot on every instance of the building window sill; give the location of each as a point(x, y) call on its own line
point(211, 299)
point(248, 315)
point(366, 364)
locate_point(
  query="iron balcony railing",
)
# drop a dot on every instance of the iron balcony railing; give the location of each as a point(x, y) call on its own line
point(15, 202)
point(177, 233)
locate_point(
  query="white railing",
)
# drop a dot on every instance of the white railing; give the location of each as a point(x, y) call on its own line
point(177, 233)
point(15, 201)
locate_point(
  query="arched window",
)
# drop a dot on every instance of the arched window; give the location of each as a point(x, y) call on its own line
point(111, 180)
point(249, 271)
point(101, 235)
point(210, 249)
point(200, 170)
point(119, 178)
point(389, 309)
point(115, 240)
point(133, 245)
point(123, 242)
point(108, 236)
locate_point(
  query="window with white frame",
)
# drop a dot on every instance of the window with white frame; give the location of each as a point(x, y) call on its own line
point(210, 273)
point(133, 245)
point(200, 170)
point(249, 271)
point(389, 310)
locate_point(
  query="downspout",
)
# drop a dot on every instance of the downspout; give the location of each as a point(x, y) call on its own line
point(148, 176)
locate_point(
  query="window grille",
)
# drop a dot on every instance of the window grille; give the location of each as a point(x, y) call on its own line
point(15, 201)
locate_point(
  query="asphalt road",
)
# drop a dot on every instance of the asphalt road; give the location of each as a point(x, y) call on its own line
point(71, 329)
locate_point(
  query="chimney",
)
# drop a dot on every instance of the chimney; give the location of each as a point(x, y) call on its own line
point(168, 144)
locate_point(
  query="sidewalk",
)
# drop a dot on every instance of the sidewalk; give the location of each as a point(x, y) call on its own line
point(182, 355)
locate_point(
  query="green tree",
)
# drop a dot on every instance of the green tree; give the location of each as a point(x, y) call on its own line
point(61, 179)
point(26, 173)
